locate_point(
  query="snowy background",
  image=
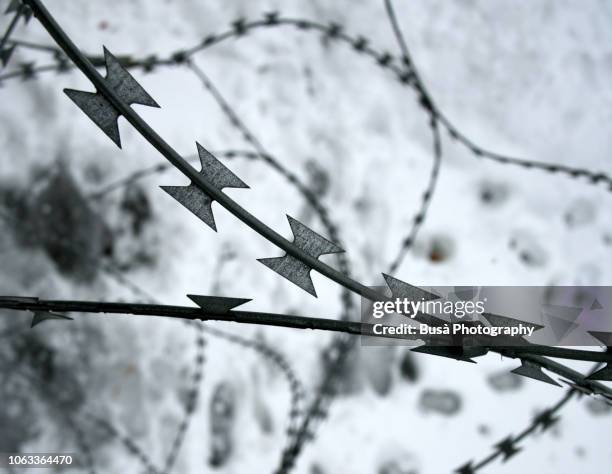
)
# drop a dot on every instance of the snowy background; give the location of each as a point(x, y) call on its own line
point(530, 79)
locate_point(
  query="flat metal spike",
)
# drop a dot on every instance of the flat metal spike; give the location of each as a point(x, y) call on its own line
point(568, 313)
point(40, 316)
point(295, 270)
point(311, 242)
point(560, 327)
point(124, 84)
point(602, 336)
point(99, 110)
point(217, 304)
point(504, 321)
point(401, 289)
point(450, 352)
point(194, 199)
point(596, 305)
point(533, 371)
point(6, 53)
point(561, 319)
point(602, 374)
point(216, 172)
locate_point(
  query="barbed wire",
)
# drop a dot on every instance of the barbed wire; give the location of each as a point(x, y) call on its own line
point(121, 107)
point(530, 352)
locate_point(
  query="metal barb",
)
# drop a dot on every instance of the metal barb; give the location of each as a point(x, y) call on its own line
point(401, 289)
point(450, 352)
point(40, 316)
point(99, 109)
point(533, 371)
point(504, 321)
point(602, 336)
point(217, 304)
point(602, 374)
point(196, 200)
point(295, 270)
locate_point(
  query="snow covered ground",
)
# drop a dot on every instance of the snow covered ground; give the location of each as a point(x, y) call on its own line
point(523, 78)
